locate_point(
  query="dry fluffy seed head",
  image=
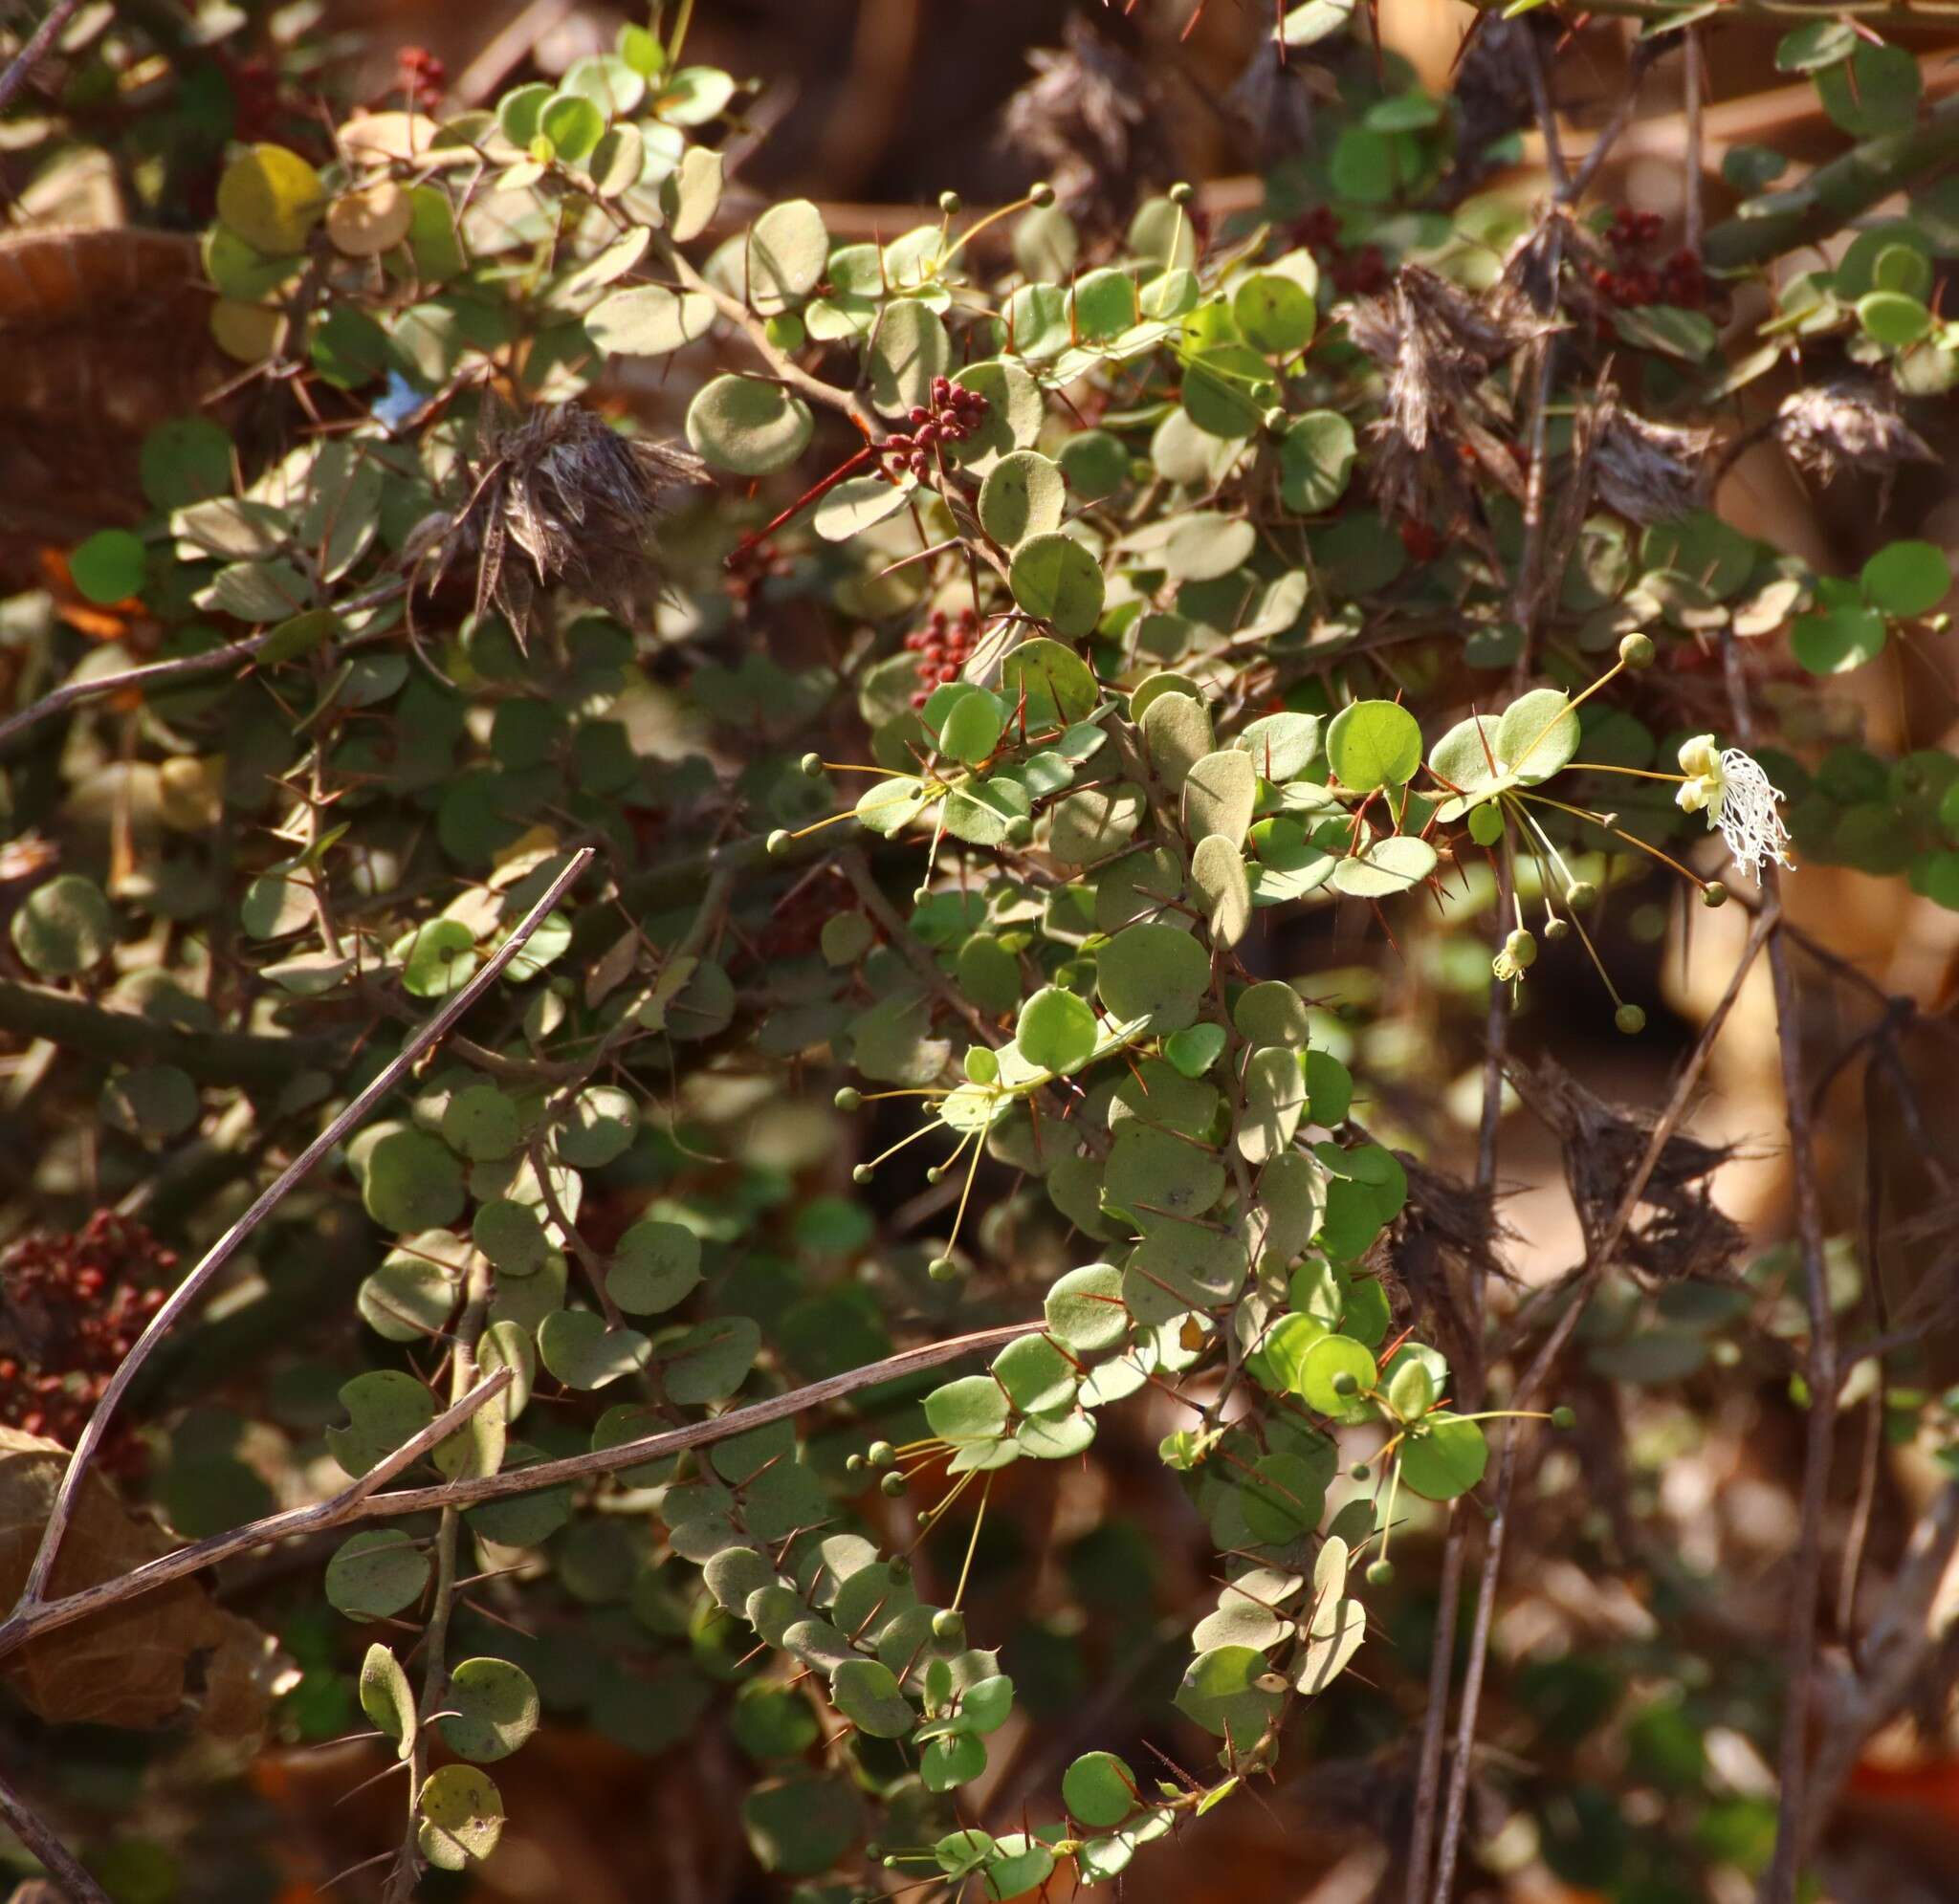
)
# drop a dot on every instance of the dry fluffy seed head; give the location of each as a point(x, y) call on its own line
point(563, 489)
point(1851, 425)
point(1437, 345)
point(1084, 119)
point(1648, 471)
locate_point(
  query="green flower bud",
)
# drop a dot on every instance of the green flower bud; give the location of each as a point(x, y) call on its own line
point(950, 203)
point(777, 844)
point(1636, 650)
point(862, 1174)
point(1630, 1020)
point(921, 895)
point(949, 1624)
point(900, 1567)
point(1563, 1417)
point(891, 1485)
point(942, 1269)
point(1181, 192)
point(812, 765)
point(1276, 421)
point(1555, 929)
point(935, 1174)
point(1359, 1472)
point(849, 1098)
point(1522, 948)
point(1713, 893)
point(853, 1464)
point(880, 1454)
point(1583, 894)
point(1040, 193)
point(1381, 1574)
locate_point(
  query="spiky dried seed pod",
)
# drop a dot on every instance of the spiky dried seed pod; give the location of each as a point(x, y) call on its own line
point(1853, 424)
point(1085, 118)
point(1648, 471)
point(563, 489)
point(1437, 345)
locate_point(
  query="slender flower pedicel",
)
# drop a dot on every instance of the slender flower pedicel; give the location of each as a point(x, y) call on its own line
point(1739, 799)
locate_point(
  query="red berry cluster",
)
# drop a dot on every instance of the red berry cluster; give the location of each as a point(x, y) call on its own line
point(1362, 273)
point(955, 413)
point(423, 77)
point(1638, 280)
point(257, 104)
point(943, 646)
point(71, 1309)
point(750, 565)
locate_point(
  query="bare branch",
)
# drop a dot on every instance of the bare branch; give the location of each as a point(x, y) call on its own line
point(30, 55)
point(38, 1836)
point(362, 1501)
point(227, 1247)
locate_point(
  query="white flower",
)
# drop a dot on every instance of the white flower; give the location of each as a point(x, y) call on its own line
point(1700, 761)
point(1737, 796)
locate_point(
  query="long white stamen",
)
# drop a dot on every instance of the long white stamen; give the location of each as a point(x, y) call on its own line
point(1747, 813)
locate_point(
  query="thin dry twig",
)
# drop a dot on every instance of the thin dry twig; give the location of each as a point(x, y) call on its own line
point(193, 1285)
point(1821, 1368)
point(30, 55)
point(363, 1502)
point(64, 1867)
point(1598, 1261)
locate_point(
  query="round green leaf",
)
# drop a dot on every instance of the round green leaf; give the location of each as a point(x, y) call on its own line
point(63, 927)
point(271, 198)
point(599, 1127)
point(375, 1574)
point(1837, 640)
point(1022, 495)
point(908, 349)
point(1445, 1457)
point(971, 1409)
point(154, 1102)
point(1283, 1499)
point(512, 1237)
point(413, 1182)
point(578, 1349)
point(1084, 1309)
point(1056, 1030)
point(1154, 973)
point(1057, 581)
point(1099, 1790)
point(109, 566)
point(786, 249)
point(1332, 1356)
point(440, 959)
point(1907, 577)
point(802, 1824)
point(1373, 744)
point(1274, 313)
point(649, 321)
point(494, 1710)
point(573, 125)
point(1893, 318)
point(866, 1693)
point(481, 1123)
point(655, 1265)
point(746, 427)
point(461, 1810)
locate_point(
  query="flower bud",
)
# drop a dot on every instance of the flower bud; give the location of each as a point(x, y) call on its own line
point(891, 1485)
point(1181, 192)
point(777, 844)
point(1381, 1574)
point(1630, 1020)
point(1555, 929)
point(862, 1174)
point(1713, 893)
point(949, 1624)
point(942, 1269)
point(1563, 1417)
point(1522, 948)
point(1636, 650)
point(1583, 894)
point(950, 203)
point(1040, 193)
point(849, 1099)
point(1275, 420)
point(880, 1454)
point(1359, 1472)
point(812, 765)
